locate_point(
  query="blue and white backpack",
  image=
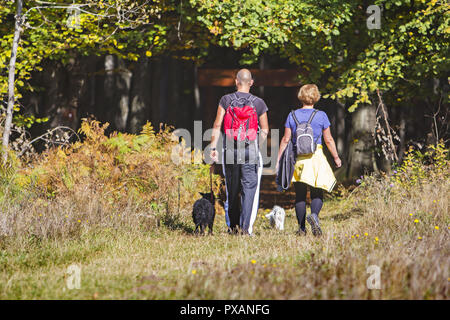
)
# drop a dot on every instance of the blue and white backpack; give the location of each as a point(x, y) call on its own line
point(304, 136)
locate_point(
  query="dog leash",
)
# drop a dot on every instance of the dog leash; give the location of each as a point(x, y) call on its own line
point(210, 182)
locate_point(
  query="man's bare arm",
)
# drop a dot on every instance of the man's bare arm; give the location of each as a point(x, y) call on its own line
point(264, 125)
point(217, 125)
point(216, 132)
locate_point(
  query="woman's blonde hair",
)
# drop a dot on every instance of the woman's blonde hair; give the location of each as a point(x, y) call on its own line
point(309, 94)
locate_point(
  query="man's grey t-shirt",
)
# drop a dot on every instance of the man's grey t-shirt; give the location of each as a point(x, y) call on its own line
point(259, 103)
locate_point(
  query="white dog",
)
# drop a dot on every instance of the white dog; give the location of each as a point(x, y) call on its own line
point(276, 217)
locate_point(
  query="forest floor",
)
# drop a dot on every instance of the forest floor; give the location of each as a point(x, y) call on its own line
point(409, 247)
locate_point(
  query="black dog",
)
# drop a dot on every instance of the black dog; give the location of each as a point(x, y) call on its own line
point(204, 212)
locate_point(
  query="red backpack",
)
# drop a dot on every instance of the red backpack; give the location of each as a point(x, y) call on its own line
point(241, 120)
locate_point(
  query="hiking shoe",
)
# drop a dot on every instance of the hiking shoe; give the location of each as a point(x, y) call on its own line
point(301, 232)
point(313, 220)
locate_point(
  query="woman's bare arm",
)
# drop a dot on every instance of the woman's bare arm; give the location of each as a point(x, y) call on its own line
point(329, 141)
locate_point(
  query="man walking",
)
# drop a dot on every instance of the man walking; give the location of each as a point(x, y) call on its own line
point(241, 116)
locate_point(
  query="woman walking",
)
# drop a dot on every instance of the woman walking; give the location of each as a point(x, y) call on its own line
point(312, 169)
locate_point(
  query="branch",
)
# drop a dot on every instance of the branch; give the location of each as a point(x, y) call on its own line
point(391, 141)
point(43, 137)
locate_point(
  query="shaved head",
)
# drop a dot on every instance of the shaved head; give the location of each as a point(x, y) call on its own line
point(244, 77)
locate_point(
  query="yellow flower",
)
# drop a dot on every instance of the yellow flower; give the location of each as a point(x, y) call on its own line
point(194, 271)
point(353, 237)
point(416, 221)
point(419, 237)
point(79, 220)
point(274, 265)
point(410, 214)
point(436, 227)
point(366, 234)
point(253, 261)
point(376, 238)
point(357, 235)
point(67, 216)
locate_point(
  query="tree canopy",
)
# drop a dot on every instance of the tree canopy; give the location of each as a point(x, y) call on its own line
point(328, 39)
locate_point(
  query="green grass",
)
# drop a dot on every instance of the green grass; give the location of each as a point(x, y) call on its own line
point(168, 262)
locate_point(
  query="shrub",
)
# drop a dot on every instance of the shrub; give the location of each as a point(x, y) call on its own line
point(119, 171)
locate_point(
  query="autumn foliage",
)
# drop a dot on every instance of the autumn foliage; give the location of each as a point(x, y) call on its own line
point(120, 168)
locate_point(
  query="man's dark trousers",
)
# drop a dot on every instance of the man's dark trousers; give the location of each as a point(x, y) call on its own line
point(242, 175)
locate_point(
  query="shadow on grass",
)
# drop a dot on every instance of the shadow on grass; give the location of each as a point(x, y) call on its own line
point(338, 217)
point(173, 222)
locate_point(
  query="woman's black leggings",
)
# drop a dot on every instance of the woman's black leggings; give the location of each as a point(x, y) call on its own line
point(300, 202)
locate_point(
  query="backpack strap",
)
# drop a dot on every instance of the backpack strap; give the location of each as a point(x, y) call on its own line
point(312, 115)
point(297, 123)
point(252, 99)
point(233, 98)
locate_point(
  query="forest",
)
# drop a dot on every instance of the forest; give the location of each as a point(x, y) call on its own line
point(92, 91)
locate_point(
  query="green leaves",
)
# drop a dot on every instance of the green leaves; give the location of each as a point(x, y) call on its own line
point(328, 39)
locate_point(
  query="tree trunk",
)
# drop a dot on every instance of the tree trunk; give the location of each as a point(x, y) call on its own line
point(361, 141)
point(12, 70)
point(123, 82)
point(140, 96)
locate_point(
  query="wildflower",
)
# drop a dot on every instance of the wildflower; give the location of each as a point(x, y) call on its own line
point(67, 216)
point(253, 261)
point(194, 271)
point(434, 201)
point(376, 239)
point(410, 214)
point(274, 265)
point(419, 237)
point(79, 221)
point(366, 234)
point(358, 181)
point(353, 236)
point(357, 235)
point(416, 221)
point(391, 185)
point(436, 227)
point(395, 171)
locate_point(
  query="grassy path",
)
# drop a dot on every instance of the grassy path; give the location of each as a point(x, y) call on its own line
point(169, 263)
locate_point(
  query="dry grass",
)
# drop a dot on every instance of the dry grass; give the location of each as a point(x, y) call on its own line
point(121, 258)
point(126, 251)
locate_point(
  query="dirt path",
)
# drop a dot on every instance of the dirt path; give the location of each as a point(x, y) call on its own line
point(269, 196)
